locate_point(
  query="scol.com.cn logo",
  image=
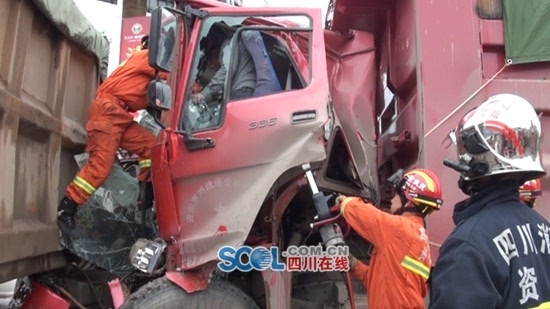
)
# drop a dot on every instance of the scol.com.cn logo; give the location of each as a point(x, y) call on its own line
point(303, 258)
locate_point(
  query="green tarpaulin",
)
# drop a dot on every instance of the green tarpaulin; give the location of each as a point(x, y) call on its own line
point(527, 30)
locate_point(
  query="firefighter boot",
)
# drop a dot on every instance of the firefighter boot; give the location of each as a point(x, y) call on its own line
point(66, 212)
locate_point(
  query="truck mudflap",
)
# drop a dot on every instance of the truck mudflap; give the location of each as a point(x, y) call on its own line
point(192, 281)
point(117, 293)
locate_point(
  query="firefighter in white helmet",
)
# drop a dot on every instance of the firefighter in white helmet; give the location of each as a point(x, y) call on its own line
point(498, 255)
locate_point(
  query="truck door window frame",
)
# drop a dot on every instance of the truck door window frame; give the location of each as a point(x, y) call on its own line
point(183, 32)
point(197, 54)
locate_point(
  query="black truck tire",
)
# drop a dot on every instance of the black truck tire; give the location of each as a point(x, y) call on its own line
point(161, 294)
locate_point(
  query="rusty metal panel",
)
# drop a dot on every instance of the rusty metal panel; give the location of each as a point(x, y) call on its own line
point(46, 86)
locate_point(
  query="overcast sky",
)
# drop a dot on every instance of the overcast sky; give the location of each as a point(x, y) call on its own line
point(107, 17)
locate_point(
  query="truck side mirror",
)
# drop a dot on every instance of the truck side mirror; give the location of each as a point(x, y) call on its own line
point(162, 39)
point(159, 95)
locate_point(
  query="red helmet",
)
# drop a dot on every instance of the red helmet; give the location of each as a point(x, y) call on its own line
point(530, 190)
point(422, 188)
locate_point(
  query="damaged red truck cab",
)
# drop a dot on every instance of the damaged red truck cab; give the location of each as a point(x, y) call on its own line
point(389, 80)
point(230, 172)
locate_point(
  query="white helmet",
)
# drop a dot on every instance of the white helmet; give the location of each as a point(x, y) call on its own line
point(502, 136)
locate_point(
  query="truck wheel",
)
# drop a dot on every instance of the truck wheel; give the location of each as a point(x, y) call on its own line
point(161, 293)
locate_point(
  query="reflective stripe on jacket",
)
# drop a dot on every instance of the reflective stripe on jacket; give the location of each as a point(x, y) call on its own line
point(400, 264)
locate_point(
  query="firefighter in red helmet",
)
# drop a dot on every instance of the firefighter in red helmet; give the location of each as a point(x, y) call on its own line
point(529, 191)
point(400, 264)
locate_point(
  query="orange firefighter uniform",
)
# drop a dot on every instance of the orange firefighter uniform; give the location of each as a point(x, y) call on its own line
point(400, 264)
point(111, 126)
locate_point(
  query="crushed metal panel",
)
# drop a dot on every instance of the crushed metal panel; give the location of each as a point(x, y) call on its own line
point(351, 68)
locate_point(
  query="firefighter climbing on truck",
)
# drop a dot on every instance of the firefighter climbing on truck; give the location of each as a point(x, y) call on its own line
point(400, 264)
point(109, 127)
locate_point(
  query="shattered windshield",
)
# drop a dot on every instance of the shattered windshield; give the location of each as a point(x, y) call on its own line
point(110, 222)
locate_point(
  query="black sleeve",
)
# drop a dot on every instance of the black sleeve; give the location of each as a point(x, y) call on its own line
point(460, 279)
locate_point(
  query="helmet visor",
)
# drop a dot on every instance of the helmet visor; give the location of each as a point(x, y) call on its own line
point(502, 147)
point(503, 141)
